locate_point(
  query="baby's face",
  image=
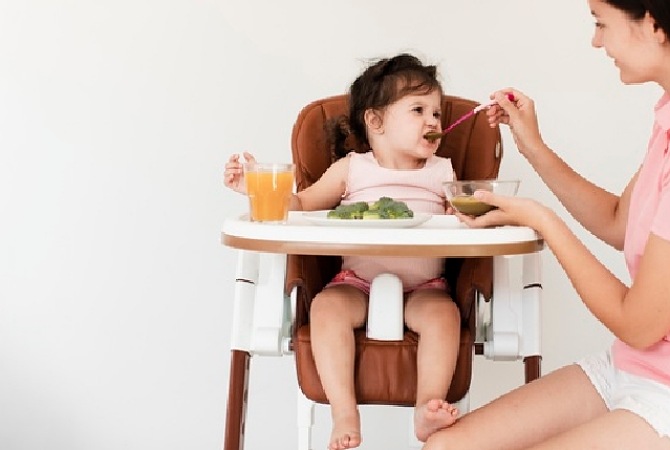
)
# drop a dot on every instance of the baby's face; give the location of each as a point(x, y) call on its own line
point(406, 121)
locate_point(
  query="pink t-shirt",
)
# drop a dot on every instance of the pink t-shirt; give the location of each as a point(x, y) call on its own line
point(421, 189)
point(649, 213)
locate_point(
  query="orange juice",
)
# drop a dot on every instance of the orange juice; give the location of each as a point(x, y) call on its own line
point(269, 188)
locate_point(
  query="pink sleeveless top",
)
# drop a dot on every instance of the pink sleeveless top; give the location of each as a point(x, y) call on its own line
point(421, 189)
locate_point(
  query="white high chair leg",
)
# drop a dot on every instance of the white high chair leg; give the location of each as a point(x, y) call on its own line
point(503, 336)
point(385, 308)
point(532, 296)
point(305, 421)
point(270, 306)
point(246, 278)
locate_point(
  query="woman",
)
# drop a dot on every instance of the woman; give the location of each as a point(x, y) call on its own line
point(619, 399)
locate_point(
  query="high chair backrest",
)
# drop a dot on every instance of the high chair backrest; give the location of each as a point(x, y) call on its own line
point(474, 148)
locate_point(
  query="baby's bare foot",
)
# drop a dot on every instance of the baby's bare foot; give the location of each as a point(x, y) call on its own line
point(346, 432)
point(432, 416)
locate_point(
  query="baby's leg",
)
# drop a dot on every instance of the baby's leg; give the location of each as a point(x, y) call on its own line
point(334, 314)
point(435, 318)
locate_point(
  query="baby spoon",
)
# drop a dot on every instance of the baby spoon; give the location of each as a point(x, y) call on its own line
point(438, 134)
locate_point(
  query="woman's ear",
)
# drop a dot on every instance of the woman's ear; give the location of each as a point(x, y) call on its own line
point(373, 121)
point(660, 35)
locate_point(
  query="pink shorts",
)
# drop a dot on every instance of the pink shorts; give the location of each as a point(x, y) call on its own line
point(349, 277)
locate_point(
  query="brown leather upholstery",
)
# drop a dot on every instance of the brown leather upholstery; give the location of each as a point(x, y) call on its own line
point(385, 371)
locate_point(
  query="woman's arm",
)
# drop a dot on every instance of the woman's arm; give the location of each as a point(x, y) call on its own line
point(639, 315)
point(602, 213)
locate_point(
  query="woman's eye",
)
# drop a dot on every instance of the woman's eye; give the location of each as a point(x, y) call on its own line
point(599, 25)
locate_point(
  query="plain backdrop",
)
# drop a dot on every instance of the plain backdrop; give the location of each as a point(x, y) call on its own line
point(116, 119)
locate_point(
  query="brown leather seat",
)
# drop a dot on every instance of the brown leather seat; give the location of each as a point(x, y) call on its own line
point(385, 372)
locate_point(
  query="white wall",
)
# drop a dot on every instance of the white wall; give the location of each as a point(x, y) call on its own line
point(116, 118)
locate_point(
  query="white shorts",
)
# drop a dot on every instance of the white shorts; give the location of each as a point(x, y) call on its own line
point(646, 398)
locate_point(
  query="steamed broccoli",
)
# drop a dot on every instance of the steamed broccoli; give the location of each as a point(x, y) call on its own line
point(384, 208)
point(382, 203)
point(351, 211)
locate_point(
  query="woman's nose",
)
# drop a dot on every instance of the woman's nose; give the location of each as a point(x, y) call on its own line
point(596, 41)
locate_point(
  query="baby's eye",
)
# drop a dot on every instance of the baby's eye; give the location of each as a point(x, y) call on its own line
point(418, 109)
point(437, 114)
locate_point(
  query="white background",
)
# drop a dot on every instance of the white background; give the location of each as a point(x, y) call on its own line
point(116, 118)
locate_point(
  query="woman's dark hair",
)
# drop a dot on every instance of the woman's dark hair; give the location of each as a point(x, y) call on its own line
point(636, 9)
point(381, 84)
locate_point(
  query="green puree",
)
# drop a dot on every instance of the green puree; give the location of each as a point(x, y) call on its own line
point(470, 206)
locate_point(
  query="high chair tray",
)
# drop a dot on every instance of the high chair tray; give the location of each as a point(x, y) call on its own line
point(439, 236)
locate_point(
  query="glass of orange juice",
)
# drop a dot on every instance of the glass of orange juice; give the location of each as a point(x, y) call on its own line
point(269, 188)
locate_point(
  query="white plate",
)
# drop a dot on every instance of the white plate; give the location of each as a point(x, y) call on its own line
point(319, 218)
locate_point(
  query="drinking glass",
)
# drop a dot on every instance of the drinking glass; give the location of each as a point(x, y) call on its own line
point(269, 188)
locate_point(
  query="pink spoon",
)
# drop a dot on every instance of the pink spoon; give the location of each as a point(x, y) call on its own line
point(438, 134)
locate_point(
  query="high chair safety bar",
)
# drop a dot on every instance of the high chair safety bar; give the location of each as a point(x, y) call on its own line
point(264, 313)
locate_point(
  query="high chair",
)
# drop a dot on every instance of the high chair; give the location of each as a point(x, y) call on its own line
point(500, 316)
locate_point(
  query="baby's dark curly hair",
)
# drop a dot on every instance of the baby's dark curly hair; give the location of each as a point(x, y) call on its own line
point(381, 84)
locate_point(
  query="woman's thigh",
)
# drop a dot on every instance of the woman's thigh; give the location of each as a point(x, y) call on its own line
point(526, 416)
point(618, 429)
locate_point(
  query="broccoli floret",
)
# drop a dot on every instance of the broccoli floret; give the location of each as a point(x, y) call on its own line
point(371, 214)
point(382, 203)
point(359, 206)
point(340, 212)
point(384, 208)
point(384, 213)
point(399, 210)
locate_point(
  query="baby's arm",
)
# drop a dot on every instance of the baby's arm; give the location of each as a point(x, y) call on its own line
point(326, 192)
point(233, 176)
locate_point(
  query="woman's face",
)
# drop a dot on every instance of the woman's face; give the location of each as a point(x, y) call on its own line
point(633, 44)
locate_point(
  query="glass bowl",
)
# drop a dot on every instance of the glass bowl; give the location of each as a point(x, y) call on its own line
point(459, 194)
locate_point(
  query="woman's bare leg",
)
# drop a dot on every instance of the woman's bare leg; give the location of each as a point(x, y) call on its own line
point(334, 314)
point(435, 318)
point(528, 415)
point(616, 430)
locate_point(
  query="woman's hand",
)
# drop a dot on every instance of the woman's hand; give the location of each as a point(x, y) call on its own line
point(509, 211)
point(519, 115)
point(233, 176)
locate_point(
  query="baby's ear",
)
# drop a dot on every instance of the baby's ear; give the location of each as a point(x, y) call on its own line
point(373, 121)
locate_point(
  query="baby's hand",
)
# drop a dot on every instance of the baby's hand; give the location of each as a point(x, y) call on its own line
point(233, 176)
